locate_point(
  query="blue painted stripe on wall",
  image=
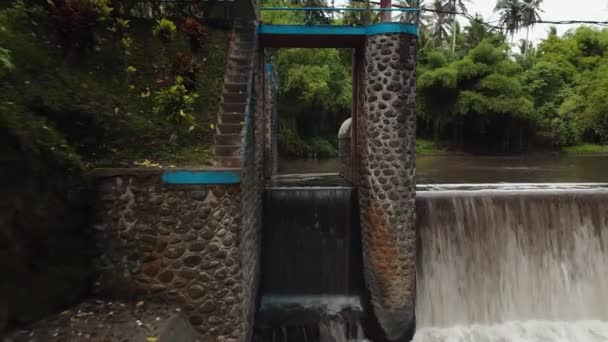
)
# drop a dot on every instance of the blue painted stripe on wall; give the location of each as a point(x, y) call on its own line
point(201, 177)
point(338, 30)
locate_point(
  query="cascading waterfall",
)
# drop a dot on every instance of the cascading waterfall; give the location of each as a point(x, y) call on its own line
point(500, 265)
point(311, 265)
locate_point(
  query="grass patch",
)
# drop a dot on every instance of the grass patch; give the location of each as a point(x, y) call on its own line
point(586, 149)
point(428, 148)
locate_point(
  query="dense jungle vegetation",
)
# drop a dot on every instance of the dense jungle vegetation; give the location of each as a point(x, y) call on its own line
point(478, 90)
point(89, 83)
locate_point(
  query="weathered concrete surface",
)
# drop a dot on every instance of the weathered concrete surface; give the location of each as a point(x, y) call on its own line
point(345, 150)
point(271, 119)
point(111, 321)
point(386, 144)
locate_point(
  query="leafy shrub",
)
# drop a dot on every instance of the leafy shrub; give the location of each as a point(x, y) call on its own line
point(120, 33)
point(176, 103)
point(322, 148)
point(186, 66)
point(165, 30)
point(195, 31)
point(76, 20)
point(44, 250)
point(5, 62)
point(120, 28)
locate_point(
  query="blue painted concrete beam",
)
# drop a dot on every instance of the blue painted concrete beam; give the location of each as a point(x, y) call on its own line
point(201, 177)
point(338, 30)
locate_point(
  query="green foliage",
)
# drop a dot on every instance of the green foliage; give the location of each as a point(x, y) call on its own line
point(60, 116)
point(481, 98)
point(42, 221)
point(5, 62)
point(120, 28)
point(165, 30)
point(322, 148)
point(586, 149)
point(195, 32)
point(76, 21)
point(552, 95)
point(79, 12)
point(103, 103)
point(175, 104)
point(315, 96)
point(426, 147)
point(316, 76)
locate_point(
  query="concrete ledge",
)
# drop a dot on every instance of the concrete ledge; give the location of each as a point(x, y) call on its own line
point(201, 177)
point(327, 35)
point(204, 176)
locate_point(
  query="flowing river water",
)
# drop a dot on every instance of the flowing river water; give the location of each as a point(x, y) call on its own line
point(504, 258)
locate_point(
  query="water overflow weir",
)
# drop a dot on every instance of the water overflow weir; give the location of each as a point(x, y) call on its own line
point(509, 262)
point(512, 263)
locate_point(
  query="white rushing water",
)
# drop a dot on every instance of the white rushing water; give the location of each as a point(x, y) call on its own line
point(522, 267)
point(337, 331)
point(529, 331)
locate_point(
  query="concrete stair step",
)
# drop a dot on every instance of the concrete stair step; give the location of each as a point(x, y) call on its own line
point(240, 45)
point(244, 59)
point(234, 97)
point(234, 118)
point(232, 162)
point(237, 78)
point(237, 74)
point(227, 150)
point(235, 86)
point(234, 107)
point(228, 139)
point(229, 128)
point(239, 69)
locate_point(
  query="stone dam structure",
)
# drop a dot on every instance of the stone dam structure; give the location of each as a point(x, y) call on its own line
point(239, 254)
point(203, 238)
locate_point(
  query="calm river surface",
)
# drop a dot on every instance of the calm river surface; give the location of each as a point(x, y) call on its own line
point(475, 169)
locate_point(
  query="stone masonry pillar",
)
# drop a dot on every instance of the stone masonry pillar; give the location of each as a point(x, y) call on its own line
point(386, 136)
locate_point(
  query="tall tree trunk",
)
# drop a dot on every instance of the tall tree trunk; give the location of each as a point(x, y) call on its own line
point(527, 41)
point(454, 27)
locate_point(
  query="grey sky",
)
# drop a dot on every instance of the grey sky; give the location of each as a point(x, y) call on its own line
point(553, 10)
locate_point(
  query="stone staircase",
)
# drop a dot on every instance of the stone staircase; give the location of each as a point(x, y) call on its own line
point(235, 97)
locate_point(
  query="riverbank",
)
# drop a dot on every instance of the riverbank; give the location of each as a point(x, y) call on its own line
point(425, 147)
point(586, 149)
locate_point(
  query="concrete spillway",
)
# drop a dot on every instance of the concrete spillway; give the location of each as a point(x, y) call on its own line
point(311, 265)
point(508, 264)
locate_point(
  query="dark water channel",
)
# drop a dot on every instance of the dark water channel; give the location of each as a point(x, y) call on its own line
point(474, 169)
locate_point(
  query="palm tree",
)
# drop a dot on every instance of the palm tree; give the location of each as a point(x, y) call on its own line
point(441, 27)
point(511, 15)
point(475, 32)
point(531, 15)
point(454, 6)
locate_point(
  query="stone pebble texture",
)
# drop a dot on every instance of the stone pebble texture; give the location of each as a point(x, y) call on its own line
point(175, 244)
point(386, 145)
